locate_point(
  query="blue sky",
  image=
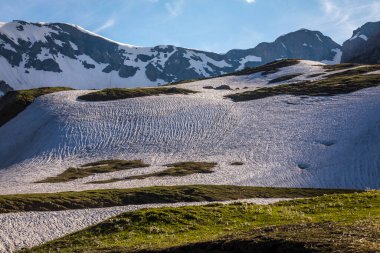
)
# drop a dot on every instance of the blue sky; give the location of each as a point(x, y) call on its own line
point(213, 25)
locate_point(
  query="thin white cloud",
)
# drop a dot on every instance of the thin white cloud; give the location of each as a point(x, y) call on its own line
point(341, 17)
point(109, 23)
point(250, 1)
point(175, 7)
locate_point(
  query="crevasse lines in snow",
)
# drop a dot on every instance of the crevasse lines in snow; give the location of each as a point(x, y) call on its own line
point(158, 124)
point(288, 141)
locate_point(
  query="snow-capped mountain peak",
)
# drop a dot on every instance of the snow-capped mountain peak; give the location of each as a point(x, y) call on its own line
point(59, 54)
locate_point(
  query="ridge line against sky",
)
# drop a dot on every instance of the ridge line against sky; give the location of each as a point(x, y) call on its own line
point(211, 25)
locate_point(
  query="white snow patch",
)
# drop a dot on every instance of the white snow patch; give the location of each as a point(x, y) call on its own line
point(199, 62)
point(8, 47)
point(319, 38)
point(337, 58)
point(45, 54)
point(73, 46)
point(359, 35)
point(377, 72)
point(249, 58)
point(362, 36)
point(59, 42)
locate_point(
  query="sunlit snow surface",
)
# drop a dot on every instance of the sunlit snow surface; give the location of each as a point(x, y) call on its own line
point(283, 141)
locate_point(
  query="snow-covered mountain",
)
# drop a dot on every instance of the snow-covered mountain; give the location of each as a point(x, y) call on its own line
point(364, 45)
point(57, 54)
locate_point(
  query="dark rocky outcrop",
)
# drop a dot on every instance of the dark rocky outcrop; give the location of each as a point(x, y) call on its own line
point(364, 45)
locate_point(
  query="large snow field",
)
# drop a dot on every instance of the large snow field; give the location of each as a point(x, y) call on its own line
point(283, 141)
point(25, 230)
point(288, 141)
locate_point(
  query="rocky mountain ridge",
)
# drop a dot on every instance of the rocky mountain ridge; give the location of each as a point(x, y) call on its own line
point(364, 45)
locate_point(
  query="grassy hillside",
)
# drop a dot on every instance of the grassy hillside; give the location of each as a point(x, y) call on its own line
point(123, 93)
point(330, 223)
point(333, 85)
point(15, 102)
point(179, 169)
point(269, 68)
point(147, 195)
point(356, 71)
point(89, 169)
point(284, 78)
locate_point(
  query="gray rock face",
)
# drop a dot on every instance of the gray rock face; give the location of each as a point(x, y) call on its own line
point(46, 52)
point(364, 45)
point(4, 87)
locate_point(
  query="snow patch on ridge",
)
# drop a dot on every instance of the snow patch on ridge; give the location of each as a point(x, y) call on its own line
point(359, 35)
point(199, 62)
point(319, 38)
point(337, 58)
point(249, 58)
point(362, 36)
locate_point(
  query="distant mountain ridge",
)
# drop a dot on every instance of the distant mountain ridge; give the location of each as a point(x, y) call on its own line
point(301, 44)
point(58, 54)
point(364, 45)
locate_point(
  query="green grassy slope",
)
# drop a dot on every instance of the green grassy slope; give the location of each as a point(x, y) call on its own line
point(123, 93)
point(330, 223)
point(147, 195)
point(330, 86)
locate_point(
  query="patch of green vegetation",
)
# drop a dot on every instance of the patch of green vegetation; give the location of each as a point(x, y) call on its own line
point(180, 169)
point(223, 87)
point(269, 68)
point(124, 93)
point(300, 238)
point(284, 78)
point(148, 195)
point(325, 87)
point(330, 223)
point(90, 169)
point(356, 71)
point(315, 75)
point(187, 81)
point(341, 66)
point(237, 163)
point(15, 102)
